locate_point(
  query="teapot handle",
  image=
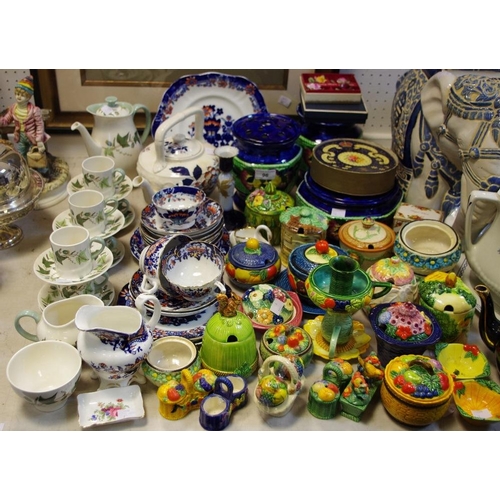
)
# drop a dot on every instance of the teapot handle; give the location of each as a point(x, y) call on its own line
point(147, 127)
point(386, 288)
point(474, 197)
point(171, 122)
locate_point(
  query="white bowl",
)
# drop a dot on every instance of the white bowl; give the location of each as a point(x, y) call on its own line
point(428, 246)
point(45, 373)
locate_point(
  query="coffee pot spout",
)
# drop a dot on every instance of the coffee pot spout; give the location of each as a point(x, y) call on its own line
point(93, 149)
point(489, 325)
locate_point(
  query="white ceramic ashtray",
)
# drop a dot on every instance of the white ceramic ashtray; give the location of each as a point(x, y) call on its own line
point(110, 406)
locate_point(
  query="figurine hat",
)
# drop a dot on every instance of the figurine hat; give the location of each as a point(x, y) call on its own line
point(26, 84)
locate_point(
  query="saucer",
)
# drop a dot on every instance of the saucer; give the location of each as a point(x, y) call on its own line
point(170, 306)
point(110, 406)
point(357, 345)
point(45, 269)
point(210, 214)
point(122, 189)
point(53, 293)
point(190, 327)
point(117, 249)
point(114, 223)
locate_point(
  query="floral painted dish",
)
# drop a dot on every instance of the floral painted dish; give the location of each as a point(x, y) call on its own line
point(122, 189)
point(477, 401)
point(191, 327)
point(267, 305)
point(224, 99)
point(53, 293)
point(114, 223)
point(463, 361)
point(110, 406)
point(45, 269)
point(308, 308)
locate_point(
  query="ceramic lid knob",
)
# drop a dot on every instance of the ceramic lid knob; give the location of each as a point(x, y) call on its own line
point(112, 108)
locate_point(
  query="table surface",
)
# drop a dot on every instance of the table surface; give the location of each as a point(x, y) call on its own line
point(19, 288)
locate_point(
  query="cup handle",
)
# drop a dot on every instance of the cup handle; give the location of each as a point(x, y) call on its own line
point(219, 287)
point(141, 299)
point(17, 323)
point(111, 207)
point(99, 283)
point(118, 175)
point(224, 387)
point(386, 288)
point(97, 252)
point(148, 287)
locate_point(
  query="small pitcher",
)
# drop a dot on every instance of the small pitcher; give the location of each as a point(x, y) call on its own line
point(57, 320)
point(115, 340)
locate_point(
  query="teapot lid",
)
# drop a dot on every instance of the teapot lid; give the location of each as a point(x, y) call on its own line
point(181, 148)
point(111, 108)
point(253, 254)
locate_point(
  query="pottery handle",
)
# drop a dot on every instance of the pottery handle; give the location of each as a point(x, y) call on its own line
point(386, 288)
point(17, 323)
point(474, 198)
point(171, 122)
point(224, 388)
point(294, 375)
point(141, 299)
point(147, 126)
point(263, 227)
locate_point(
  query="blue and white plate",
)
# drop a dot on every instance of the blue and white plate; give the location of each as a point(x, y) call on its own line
point(223, 98)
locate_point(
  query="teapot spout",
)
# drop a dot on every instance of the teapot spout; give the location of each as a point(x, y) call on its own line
point(489, 326)
point(147, 189)
point(93, 149)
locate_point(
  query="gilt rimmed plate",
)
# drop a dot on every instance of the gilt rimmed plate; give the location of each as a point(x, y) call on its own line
point(223, 98)
point(45, 269)
point(122, 189)
point(114, 222)
point(190, 327)
point(110, 406)
point(53, 293)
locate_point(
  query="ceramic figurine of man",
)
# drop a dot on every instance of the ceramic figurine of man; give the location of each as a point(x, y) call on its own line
point(29, 129)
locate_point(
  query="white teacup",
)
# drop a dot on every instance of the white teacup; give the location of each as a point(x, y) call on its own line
point(72, 247)
point(57, 320)
point(100, 174)
point(90, 210)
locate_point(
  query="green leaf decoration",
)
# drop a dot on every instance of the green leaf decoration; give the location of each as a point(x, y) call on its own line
point(104, 183)
point(81, 258)
point(109, 143)
point(43, 270)
point(123, 140)
point(137, 139)
point(77, 185)
point(109, 152)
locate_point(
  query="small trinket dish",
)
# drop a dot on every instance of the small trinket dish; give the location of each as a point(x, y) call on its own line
point(267, 305)
point(477, 401)
point(110, 406)
point(463, 361)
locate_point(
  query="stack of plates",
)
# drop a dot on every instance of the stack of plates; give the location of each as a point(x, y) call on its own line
point(208, 227)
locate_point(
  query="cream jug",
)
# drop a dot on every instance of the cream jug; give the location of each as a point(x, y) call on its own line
point(114, 133)
point(115, 340)
point(57, 320)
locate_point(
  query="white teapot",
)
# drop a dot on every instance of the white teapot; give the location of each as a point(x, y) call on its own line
point(114, 133)
point(177, 160)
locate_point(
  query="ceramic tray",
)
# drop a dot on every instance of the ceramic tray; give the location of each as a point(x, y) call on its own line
point(224, 99)
point(110, 406)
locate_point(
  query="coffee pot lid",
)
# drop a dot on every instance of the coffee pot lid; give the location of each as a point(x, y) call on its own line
point(112, 107)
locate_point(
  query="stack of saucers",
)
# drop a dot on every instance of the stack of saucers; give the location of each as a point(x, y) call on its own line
point(208, 226)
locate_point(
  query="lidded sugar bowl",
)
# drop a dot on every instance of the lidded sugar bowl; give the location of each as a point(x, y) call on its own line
point(252, 262)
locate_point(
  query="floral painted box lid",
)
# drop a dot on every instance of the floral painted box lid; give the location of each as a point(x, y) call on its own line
point(407, 212)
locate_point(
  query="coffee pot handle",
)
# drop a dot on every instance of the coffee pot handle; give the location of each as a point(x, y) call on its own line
point(147, 126)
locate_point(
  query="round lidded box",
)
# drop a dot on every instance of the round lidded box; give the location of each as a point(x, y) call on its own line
point(368, 239)
point(354, 167)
